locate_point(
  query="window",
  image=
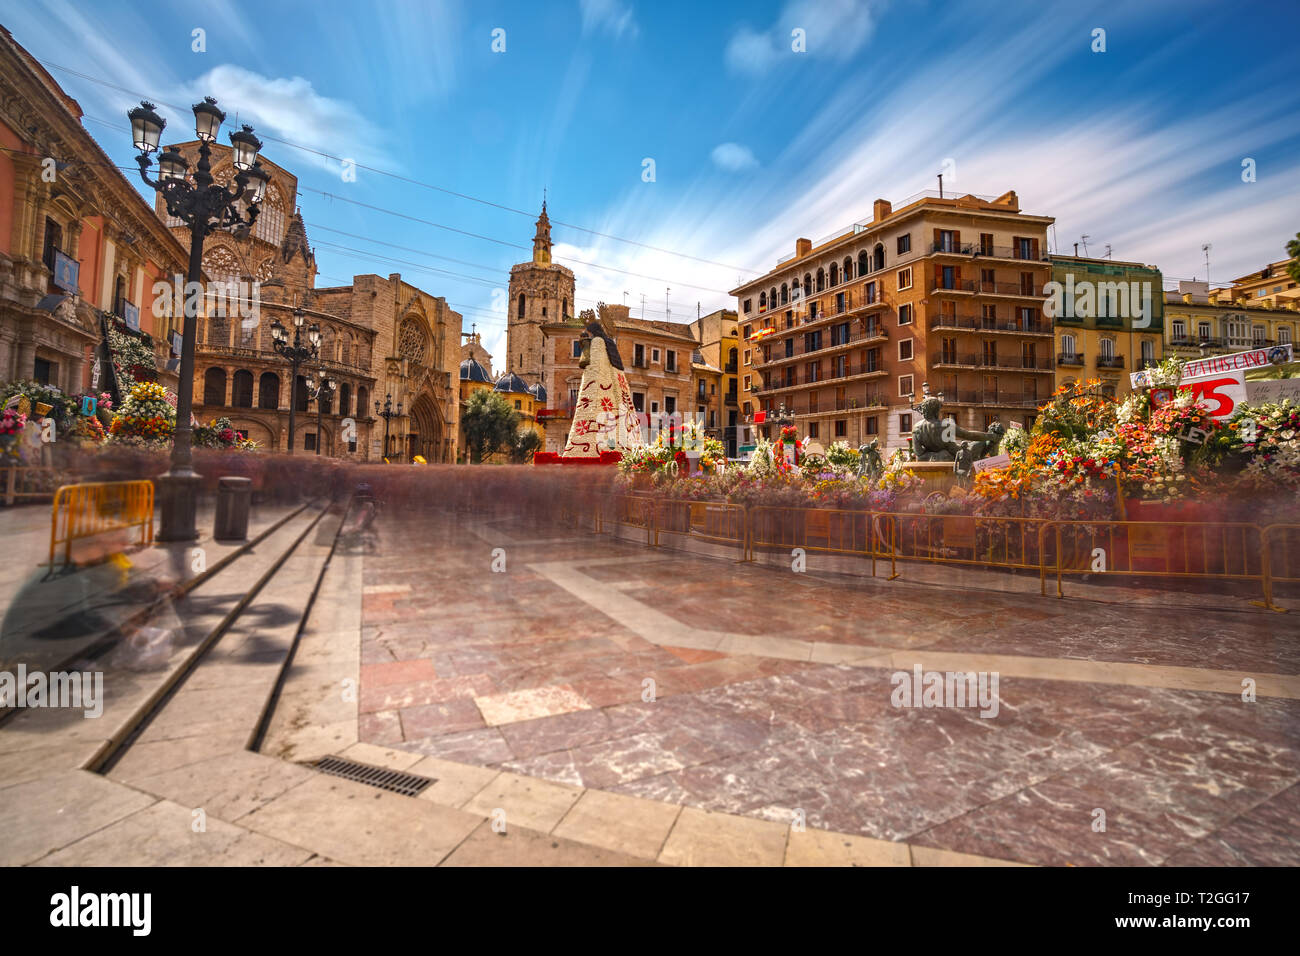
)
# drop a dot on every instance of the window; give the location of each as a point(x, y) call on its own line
point(520, 311)
point(905, 350)
point(672, 361)
point(654, 408)
point(841, 428)
point(1148, 352)
point(300, 396)
point(904, 279)
point(519, 404)
point(835, 274)
point(990, 354)
point(214, 386)
point(986, 243)
point(864, 263)
point(762, 301)
point(904, 244)
point(1203, 329)
point(53, 243)
point(873, 425)
point(654, 356)
point(1067, 344)
point(748, 307)
point(1257, 335)
point(904, 315)
point(577, 348)
point(1028, 355)
point(948, 351)
point(789, 348)
point(638, 356)
point(747, 356)
point(869, 292)
point(543, 311)
point(573, 399)
point(345, 400)
point(946, 241)
point(309, 441)
point(46, 372)
point(242, 387)
point(638, 400)
point(1106, 349)
point(812, 429)
point(785, 293)
point(1283, 334)
point(1178, 329)
point(749, 332)
point(904, 424)
point(268, 391)
point(905, 385)
point(747, 380)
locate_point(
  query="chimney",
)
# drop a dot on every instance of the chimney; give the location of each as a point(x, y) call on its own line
point(881, 209)
point(802, 247)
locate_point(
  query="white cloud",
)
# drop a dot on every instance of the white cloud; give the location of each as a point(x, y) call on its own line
point(733, 157)
point(612, 16)
point(290, 109)
point(836, 29)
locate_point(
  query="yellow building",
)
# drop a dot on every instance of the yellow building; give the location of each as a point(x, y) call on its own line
point(1271, 286)
point(525, 399)
point(719, 348)
point(1108, 320)
point(1201, 323)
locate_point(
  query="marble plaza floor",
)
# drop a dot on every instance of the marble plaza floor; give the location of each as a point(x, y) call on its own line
point(772, 695)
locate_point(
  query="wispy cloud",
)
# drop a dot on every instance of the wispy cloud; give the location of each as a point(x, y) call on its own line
point(610, 16)
point(835, 29)
point(291, 109)
point(733, 157)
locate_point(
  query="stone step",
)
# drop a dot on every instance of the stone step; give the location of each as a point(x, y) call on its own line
point(37, 741)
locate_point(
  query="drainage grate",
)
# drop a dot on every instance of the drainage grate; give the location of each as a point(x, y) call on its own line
point(407, 784)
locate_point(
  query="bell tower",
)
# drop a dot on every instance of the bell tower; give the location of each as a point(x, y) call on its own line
point(541, 293)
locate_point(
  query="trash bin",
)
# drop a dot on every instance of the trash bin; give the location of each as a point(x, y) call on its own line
point(234, 495)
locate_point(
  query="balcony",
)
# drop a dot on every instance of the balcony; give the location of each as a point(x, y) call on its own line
point(729, 368)
point(1110, 361)
point(1069, 358)
point(994, 399)
point(730, 399)
point(1010, 363)
point(802, 378)
point(870, 335)
point(974, 323)
point(871, 400)
point(1032, 290)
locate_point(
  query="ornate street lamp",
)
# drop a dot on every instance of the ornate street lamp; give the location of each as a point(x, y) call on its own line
point(387, 413)
point(321, 386)
point(205, 206)
point(297, 352)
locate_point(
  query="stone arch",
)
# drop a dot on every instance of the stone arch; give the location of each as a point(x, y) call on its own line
point(427, 429)
point(214, 386)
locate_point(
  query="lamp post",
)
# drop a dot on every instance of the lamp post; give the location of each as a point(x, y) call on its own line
point(387, 413)
point(205, 206)
point(321, 387)
point(297, 353)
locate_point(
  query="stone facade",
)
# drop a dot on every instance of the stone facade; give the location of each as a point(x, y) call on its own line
point(379, 338)
point(541, 292)
point(65, 207)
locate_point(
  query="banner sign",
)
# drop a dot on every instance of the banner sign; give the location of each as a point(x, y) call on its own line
point(1273, 391)
point(131, 316)
point(997, 461)
point(66, 270)
point(1216, 365)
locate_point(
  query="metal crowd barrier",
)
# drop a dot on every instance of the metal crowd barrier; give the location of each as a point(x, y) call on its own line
point(1225, 551)
point(83, 511)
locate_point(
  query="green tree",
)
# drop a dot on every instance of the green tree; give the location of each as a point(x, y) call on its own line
point(526, 442)
point(489, 424)
point(1293, 250)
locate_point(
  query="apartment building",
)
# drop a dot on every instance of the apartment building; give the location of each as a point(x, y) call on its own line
point(1201, 322)
point(1271, 286)
point(944, 291)
point(1109, 319)
point(719, 349)
point(657, 359)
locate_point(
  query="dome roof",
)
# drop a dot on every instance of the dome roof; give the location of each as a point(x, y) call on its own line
point(510, 382)
point(539, 392)
point(471, 370)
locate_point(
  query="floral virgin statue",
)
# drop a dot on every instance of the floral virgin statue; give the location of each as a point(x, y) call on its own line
point(603, 417)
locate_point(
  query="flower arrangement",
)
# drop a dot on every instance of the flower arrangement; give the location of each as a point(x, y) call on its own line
point(12, 422)
point(145, 418)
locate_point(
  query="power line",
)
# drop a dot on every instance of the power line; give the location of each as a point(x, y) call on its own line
point(415, 182)
point(464, 232)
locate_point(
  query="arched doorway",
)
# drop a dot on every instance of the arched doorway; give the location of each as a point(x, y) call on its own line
point(427, 430)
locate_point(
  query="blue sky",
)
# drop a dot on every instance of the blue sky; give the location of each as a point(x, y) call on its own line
point(1139, 147)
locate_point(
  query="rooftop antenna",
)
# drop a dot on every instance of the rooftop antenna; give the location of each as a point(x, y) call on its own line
point(625, 296)
point(1108, 250)
point(1084, 240)
point(1076, 250)
point(941, 185)
point(668, 312)
point(642, 305)
point(1206, 249)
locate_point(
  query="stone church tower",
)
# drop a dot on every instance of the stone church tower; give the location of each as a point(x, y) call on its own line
point(540, 292)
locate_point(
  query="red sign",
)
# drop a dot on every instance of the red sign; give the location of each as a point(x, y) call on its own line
point(760, 417)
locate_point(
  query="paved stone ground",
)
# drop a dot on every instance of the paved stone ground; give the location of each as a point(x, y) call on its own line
point(772, 696)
